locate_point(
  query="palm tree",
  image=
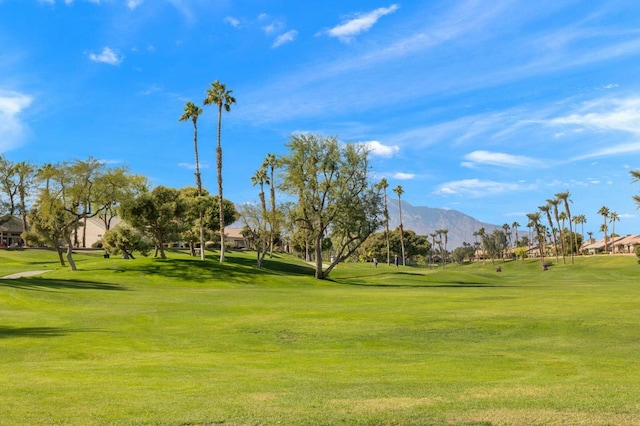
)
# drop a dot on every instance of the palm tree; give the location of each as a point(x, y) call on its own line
point(534, 218)
point(433, 245)
point(218, 95)
point(635, 174)
point(613, 218)
point(398, 190)
point(272, 162)
point(445, 233)
point(514, 226)
point(564, 197)
point(604, 212)
point(384, 185)
point(554, 202)
point(261, 178)
point(547, 210)
point(192, 112)
point(507, 234)
point(580, 220)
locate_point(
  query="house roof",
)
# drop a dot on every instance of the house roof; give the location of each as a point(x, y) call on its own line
point(12, 225)
point(629, 239)
point(600, 244)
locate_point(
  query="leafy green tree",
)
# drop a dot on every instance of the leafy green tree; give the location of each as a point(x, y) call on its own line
point(459, 254)
point(416, 246)
point(218, 95)
point(74, 192)
point(192, 112)
point(335, 198)
point(495, 244)
point(47, 225)
point(157, 214)
point(123, 239)
point(580, 220)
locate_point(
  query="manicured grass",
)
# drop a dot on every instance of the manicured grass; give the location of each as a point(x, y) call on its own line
point(179, 341)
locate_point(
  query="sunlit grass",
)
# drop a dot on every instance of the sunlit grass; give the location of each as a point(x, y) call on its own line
point(188, 342)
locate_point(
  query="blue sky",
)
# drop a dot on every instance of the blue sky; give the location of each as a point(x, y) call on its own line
point(488, 108)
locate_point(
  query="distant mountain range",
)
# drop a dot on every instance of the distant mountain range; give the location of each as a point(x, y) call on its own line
point(425, 220)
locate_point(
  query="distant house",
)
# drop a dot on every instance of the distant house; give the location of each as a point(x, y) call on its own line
point(599, 246)
point(626, 244)
point(234, 239)
point(10, 231)
point(95, 230)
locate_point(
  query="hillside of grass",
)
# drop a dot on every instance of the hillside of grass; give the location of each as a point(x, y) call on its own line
point(180, 341)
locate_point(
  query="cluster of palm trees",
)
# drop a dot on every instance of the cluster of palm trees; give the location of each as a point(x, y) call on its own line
point(556, 208)
point(217, 95)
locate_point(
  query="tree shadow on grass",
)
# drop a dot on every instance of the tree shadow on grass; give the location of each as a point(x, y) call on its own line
point(43, 284)
point(237, 270)
point(36, 332)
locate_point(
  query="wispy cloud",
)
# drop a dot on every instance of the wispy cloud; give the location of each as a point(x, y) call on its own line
point(499, 159)
point(360, 23)
point(192, 166)
point(404, 176)
point(11, 128)
point(107, 56)
point(287, 37)
point(234, 22)
point(132, 4)
point(480, 188)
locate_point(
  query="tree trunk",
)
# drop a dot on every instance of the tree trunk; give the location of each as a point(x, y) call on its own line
point(201, 236)
point(317, 246)
point(220, 201)
point(72, 264)
point(60, 255)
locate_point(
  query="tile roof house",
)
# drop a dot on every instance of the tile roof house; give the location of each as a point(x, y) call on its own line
point(10, 230)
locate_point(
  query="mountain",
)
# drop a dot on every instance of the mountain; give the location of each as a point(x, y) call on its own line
point(425, 220)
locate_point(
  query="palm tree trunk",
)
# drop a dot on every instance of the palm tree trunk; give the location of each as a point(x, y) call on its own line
point(220, 202)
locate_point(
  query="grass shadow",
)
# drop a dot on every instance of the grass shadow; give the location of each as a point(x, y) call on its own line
point(35, 332)
point(43, 284)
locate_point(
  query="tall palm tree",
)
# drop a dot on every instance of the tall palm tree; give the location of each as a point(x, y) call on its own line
point(564, 197)
point(271, 162)
point(218, 95)
point(398, 190)
point(613, 218)
point(546, 209)
point(534, 218)
point(445, 232)
point(261, 178)
point(554, 202)
point(635, 175)
point(384, 185)
point(192, 112)
point(515, 226)
point(580, 220)
point(604, 212)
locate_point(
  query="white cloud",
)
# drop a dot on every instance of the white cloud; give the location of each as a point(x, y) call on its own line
point(381, 150)
point(234, 22)
point(192, 166)
point(273, 27)
point(287, 37)
point(499, 159)
point(132, 4)
point(11, 128)
point(361, 23)
point(404, 176)
point(479, 188)
point(107, 56)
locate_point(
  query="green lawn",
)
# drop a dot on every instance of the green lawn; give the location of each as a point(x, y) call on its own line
point(180, 342)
